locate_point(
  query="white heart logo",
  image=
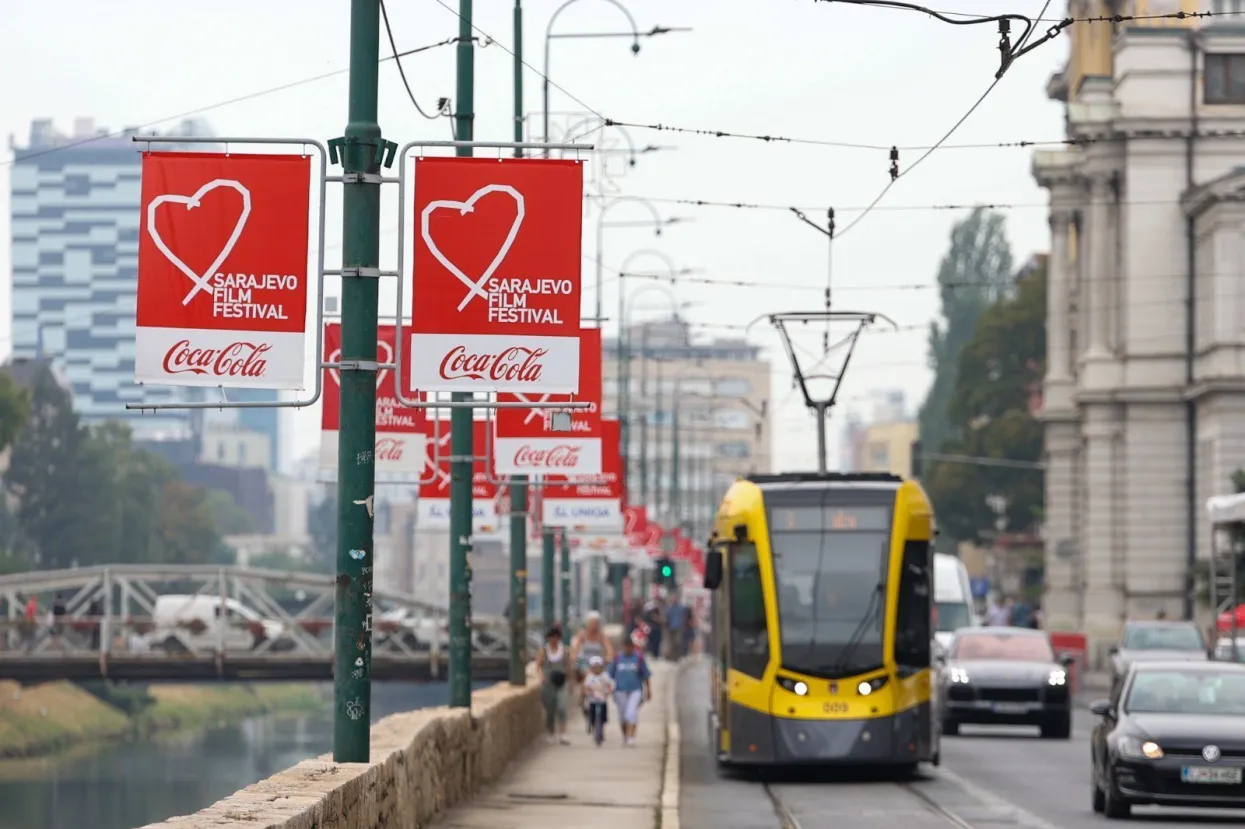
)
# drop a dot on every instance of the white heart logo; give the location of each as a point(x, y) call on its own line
point(201, 282)
point(336, 357)
point(440, 476)
point(476, 288)
point(532, 414)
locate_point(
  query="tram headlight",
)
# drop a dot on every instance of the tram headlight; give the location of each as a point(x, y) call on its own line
point(868, 686)
point(795, 686)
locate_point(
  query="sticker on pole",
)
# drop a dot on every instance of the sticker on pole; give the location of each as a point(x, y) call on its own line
point(526, 442)
point(401, 445)
point(222, 270)
point(497, 275)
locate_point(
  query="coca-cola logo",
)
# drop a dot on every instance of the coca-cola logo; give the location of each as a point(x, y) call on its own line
point(563, 456)
point(389, 449)
point(240, 359)
point(514, 364)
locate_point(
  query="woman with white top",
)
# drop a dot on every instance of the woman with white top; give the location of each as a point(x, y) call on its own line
point(553, 662)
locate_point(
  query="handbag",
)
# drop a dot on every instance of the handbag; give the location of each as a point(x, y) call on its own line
point(557, 677)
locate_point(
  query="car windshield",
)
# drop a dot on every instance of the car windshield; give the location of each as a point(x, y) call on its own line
point(1025, 647)
point(1162, 638)
point(830, 565)
point(951, 616)
point(1186, 692)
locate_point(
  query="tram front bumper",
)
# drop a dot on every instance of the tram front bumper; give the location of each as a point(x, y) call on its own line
point(761, 738)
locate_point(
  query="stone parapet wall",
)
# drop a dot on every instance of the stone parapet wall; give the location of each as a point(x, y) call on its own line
point(423, 762)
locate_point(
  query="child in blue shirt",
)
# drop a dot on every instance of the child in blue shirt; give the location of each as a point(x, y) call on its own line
point(632, 685)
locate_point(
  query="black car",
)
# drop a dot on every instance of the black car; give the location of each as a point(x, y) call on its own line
point(1157, 641)
point(1172, 734)
point(1004, 676)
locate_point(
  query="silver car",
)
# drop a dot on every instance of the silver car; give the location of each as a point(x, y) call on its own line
point(1156, 640)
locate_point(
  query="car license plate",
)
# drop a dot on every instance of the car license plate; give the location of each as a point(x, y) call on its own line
point(1010, 708)
point(1210, 774)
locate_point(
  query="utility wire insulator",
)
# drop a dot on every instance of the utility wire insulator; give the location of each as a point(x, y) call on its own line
point(894, 163)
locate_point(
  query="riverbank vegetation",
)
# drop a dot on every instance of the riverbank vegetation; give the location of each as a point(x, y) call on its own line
point(41, 719)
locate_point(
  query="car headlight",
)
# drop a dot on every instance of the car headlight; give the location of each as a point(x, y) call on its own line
point(1057, 677)
point(795, 686)
point(958, 675)
point(1138, 749)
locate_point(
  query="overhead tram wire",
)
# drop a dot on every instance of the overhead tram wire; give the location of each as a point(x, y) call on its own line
point(443, 104)
point(250, 96)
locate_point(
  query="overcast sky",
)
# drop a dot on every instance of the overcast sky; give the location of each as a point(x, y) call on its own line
point(794, 68)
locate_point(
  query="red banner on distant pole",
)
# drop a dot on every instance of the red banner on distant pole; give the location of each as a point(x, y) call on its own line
point(223, 253)
point(526, 445)
point(400, 432)
point(589, 501)
point(497, 275)
point(433, 508)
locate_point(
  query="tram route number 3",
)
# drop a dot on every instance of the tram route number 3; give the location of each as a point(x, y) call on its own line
point(834, 708)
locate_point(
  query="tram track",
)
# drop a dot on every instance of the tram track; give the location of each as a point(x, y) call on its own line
point(785, 812)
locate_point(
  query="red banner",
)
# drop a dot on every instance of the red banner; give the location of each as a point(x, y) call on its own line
point(400, 432)
point(497, 275)
point(589, 501)
point(434, 494)
point(525, 443)
point(222, 270)
point(635, 524)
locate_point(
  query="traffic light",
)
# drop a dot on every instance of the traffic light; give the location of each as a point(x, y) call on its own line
point(665, 571)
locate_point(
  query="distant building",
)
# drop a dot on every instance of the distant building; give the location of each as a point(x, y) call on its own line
point(1144, 390)
point(884, 443)
point(75, 223)
point(721, 390)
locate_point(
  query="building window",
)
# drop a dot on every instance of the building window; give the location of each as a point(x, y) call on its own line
point(733, 387)
point(734, 449)
point(1225, 79)
point(727, 419)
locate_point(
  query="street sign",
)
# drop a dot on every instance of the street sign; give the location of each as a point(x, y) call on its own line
point(223, 255)
point(497, 275)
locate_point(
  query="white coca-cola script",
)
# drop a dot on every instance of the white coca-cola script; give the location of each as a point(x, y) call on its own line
point(240, 359)
point(389, 449)
point(557, 457)
point(515, 364)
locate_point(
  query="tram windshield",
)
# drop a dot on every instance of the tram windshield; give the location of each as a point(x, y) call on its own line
point(830, 566)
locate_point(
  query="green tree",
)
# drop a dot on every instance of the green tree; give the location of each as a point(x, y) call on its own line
point(975, 271)
point(231, 519)
point(990, 415)
point(14, 410)
point(137, 477)
point(186, 527)
point(60, 485)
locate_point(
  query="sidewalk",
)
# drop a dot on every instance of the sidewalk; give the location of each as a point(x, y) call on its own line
point(582, 784)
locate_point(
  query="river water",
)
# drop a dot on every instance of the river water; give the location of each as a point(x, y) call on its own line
point(127, 785)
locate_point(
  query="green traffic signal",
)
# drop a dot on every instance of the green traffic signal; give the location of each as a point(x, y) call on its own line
point(667, 571)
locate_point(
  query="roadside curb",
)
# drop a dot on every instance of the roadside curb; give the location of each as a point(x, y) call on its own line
point(668, 811)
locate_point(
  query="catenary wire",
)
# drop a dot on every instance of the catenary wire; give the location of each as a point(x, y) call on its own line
point(250, 96)
point(443, 105)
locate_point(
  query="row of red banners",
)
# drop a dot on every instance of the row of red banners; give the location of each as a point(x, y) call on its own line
point(226, 252)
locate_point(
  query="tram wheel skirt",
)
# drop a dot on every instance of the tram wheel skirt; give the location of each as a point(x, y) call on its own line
point(759, 738)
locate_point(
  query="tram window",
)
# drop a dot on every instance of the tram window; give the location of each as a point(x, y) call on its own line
point(749, 634)
point(913, 623)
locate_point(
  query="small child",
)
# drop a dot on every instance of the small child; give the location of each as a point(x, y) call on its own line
point(597, 689)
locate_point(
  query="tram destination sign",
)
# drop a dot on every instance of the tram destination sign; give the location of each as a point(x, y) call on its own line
point(817, 518)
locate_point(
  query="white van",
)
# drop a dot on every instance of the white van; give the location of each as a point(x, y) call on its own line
point(953, 598)
point(194, 623)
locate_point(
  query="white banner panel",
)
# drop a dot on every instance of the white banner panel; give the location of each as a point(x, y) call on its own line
point(587, 513)
point(401, 452)
point(434, 514)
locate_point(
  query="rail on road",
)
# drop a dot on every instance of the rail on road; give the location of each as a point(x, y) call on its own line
point(200, 623)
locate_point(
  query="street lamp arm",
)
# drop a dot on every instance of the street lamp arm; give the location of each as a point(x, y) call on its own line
point(667, 291)
point(665, 258)
point(635, 31)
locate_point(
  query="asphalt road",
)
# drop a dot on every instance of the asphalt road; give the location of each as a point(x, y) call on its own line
point(990, 778)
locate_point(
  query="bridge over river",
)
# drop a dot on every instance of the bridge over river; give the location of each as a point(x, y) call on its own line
point(203, 623)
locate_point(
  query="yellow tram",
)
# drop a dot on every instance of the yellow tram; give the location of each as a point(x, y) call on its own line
point(822, 617)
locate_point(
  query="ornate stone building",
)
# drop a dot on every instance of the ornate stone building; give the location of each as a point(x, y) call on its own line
point(1145, 383)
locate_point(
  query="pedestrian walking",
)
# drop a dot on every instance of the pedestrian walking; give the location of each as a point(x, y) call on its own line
point(655, 621)
point(589, 643)
point(632, 685)
point(676, 616)
point(597, 688)
point(999, 613)
point(553, 661)
point(31, 631)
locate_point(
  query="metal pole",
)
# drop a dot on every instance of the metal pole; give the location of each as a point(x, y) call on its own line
point(676, 500)
point(546, 576)
point(518, 484)
point(624, 382)
point(564, 577)
point(820, 409)
point(658, 426)
point(644, 418)
point(461, 428)
point(356, 482)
